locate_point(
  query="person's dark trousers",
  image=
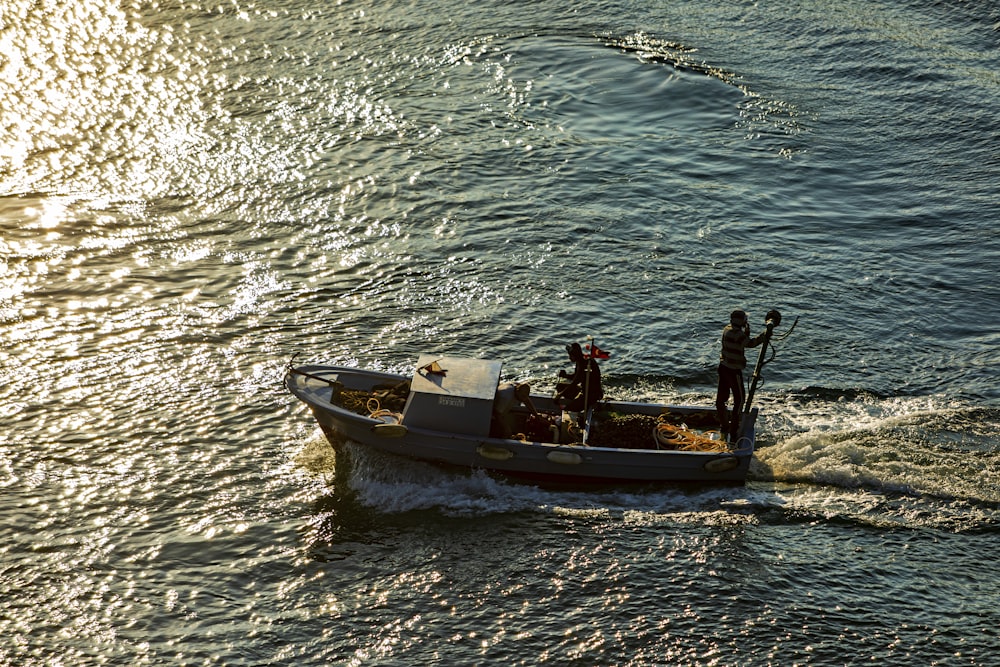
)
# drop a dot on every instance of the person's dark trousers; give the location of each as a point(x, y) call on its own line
point(730, 382)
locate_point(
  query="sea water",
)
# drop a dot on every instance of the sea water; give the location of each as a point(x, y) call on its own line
point(191, 192)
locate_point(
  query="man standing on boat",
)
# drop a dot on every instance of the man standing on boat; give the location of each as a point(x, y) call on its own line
point(735, 339)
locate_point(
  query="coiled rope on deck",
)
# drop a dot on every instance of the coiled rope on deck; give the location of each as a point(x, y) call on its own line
point(386, 416)
point(681, 438)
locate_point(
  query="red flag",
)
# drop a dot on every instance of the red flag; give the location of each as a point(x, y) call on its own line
point(594, 352)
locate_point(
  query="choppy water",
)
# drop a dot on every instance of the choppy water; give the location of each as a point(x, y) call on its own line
point(191, 192)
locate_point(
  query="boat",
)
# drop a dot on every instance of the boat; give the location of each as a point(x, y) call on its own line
point(446, 412)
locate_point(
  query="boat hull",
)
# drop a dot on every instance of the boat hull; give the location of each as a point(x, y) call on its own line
point(314, 385)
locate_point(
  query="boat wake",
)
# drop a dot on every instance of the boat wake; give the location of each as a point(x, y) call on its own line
point(902, 446)
point(888, 464)
point(896, 462)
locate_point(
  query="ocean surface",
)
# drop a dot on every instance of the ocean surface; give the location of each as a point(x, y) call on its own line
point(194, 191)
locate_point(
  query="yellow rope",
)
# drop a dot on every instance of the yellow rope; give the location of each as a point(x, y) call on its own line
point(379, 414)
point(685, 440)
point(353, 400)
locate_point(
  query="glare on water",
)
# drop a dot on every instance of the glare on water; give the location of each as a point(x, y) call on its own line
point(191, 192)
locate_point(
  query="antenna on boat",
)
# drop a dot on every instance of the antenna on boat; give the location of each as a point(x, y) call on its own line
point(771, 320)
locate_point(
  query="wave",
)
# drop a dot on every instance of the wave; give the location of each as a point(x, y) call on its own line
point(944, 453)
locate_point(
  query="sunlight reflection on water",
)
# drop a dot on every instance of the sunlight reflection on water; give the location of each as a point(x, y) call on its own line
point(97, 100)
point(192, 192)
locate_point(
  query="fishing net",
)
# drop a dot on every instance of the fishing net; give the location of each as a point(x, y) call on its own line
point(681, 432)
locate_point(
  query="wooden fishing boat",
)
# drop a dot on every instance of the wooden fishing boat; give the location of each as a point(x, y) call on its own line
point(448, 412)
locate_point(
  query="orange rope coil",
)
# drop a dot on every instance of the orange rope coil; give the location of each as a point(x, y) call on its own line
point(672, 436)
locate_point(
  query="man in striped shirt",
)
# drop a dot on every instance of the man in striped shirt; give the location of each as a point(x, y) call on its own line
point(735, 339)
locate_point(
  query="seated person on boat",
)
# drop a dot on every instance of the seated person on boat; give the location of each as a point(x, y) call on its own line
point(581, 390)
point(507, 395)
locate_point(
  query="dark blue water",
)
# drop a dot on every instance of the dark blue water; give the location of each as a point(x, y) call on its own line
point(191, 193)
